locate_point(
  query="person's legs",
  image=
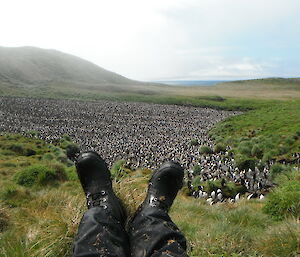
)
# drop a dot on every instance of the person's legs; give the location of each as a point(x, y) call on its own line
point(101, 231)
point(100, 235)
point(152, 232)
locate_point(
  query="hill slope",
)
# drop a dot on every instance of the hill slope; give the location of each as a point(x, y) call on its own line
point(35, 72)
point(267, 83)
point(36, 66)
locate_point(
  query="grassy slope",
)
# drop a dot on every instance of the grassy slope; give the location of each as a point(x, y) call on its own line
point(42, 221)
point(223, 230)
point(280, 89)
point(275, 104)
point(275, 129)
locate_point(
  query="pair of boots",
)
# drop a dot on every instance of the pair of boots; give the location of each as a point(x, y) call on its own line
point(151, 232)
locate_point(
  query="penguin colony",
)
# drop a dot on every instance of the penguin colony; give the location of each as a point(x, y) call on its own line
point(145, 135)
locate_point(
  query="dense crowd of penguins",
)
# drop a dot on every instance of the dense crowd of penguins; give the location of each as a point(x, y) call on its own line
point(143, 134)
point(223, 167)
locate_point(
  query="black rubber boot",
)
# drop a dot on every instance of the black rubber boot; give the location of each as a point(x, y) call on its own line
point(151, 231)
point(164, 186)
point(102, 228)
point(96, 182)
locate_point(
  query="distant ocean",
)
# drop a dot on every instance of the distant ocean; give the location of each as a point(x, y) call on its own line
point(191, 82)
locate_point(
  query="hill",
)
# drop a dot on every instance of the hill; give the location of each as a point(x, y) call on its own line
point(36, 72)
point(41, 218)
point(266, 83)
point(27, 66)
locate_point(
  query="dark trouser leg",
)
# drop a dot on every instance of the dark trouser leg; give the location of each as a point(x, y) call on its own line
point(100, 234)
point(153, 233)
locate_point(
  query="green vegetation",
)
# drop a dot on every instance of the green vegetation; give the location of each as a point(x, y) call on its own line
point(284, 200)
point(266, 133)
point(269, 129)
point(194, 142)
point(197, 170)
point(39, 175)
point(278, 169)
point(42, 220)
point(219, 147)
point(235, 230)
point(229, 189)
point(71, 148)
point(118, 170)
point(204, 149)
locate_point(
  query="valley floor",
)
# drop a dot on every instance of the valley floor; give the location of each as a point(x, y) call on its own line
point(144, 134)
point(39, 216)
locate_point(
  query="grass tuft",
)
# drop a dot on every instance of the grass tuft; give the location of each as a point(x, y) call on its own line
point(4, 220)
point(281, 240)
point(284, 201)
point(40, 174)
point(204, 149)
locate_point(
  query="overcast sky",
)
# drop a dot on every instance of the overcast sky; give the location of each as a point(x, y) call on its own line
point(164, 39)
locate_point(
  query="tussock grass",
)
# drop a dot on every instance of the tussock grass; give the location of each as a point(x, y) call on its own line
point(284, 201)
point(281, 240)
point(220, 230)
point(132, 192)
point(14, 196)
point(268, 132)
point(47, 225)
point(12, 246)
point(58, 217)
point(204, 149)
point(4, 220)
point(38, 174)
point(240, 229)
point(43, 220)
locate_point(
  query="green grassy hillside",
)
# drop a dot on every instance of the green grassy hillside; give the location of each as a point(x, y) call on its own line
point(29, 66)
point(39, 217)
point(41, 201)
point(273, 129)
point(234, 94)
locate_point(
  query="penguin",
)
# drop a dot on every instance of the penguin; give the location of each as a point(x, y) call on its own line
point(237, 197)
point(213, 194)
point(249, 196)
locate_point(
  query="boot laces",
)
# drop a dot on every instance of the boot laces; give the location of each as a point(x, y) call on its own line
point(156, 202)
point(97, 199)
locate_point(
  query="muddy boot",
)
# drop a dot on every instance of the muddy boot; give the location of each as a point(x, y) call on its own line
point(163, 187)
point(151, 231)
point(101, 231)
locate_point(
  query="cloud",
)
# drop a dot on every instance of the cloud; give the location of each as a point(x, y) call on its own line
point(163, 39)
point(218, 67)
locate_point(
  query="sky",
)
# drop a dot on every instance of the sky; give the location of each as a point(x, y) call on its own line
point(164, 39)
